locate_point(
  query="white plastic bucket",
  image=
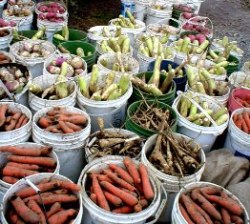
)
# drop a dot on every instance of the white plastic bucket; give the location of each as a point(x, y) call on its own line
point(42, 3)
point(51, 27)
point(204, 136)
point(141, 9)
point(113, 112)
point(35, 65)
point(6, 40)
point(89, 155)
point(29, 145)
point(127, 5)
point(131, 62)
point(240, 79)
point(2, 3)
point(36, 178)
point(95, 33)
point(68, 147)
point(54, 57)
point(24, 23)
point(95, 215)
point(154, 15)
point(246, 67)
point(9, 55)
point(172, 184)
point(140, 27)
point(177, 217)
point(37, 103)
point(238, 141)
point(21, 134)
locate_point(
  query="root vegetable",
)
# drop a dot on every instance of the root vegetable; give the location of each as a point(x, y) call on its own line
point(62, 216)
point(131, 167)
point(123, 210)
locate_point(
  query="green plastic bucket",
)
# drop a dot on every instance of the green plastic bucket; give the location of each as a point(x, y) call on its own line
point(167, 98)
point(143, 132)
point(73, 35)
point(73, 45)
point(29, 34)
point(232, 68)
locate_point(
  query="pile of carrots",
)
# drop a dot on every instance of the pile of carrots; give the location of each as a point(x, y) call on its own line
point(210, 205)
point(58, 120)
point(10, 120)
point(121, 190)
point(57, 203)
point(242, 121)
point(22, 162)
point(243, 100)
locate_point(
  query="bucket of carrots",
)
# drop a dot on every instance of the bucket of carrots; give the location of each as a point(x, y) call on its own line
point(25, 159)
point(205, 202)
point(119, 190)
point(239, 98)
point(59, 201)
point(15, 123)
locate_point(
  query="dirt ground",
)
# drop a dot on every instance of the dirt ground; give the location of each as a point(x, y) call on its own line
point(230, 17)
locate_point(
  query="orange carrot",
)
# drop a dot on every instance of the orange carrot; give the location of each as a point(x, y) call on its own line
point(146, 185)
point(36, 208)
point(102, 177)
point(21, 151)
point(72, 126)
point(37, 196)
point(138, 207)
point(25, 121)
point(185, 214)
point(236, 219)
point(228, 203)
point(101, 200)
point(54, 129)
point(131, 167)
point(3, 110)
point(54, 209)
point(112, 199)
point(119, 181)
point(121, 173)
point(13, 122)
point(44, 122)
point(225, 216)
point(203, 213)
point(130, 192)
point(65, 128)
point(210, 190)
point(192, 211)
point(10, 180)
point(13, 217)
point(93, 198)
point(124, 196)
point(77, 119)
point(62, 216)
point(29, 191)
point(247, 119)
point(43, 161)
point(205, 204)
point(143, 203)
point(17, 172)
point(55, 111)
point(244, 126)
point(51, 199)
point(123, 210)
point(24, 212)
point(20, 121)
point(68, 185)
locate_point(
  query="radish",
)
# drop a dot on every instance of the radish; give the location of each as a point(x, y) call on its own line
point(43, 8)
point(187, 15)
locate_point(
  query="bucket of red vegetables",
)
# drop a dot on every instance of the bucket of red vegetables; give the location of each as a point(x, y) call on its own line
point(205, 202)
point(119, 201)
point(60, 197)
point(239, 98)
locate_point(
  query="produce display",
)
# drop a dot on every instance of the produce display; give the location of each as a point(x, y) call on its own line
point(21, 3)
point(204, 84)
point(153, 48)
point(129, 22)
point(113, 142)
point(108, 90)
point(106, 31)
point(33, 50)
point(69, 65)
point(210, 204)
point(163, 29)
point(58, 198)
point(17, 12)
point(51, 7)
point(58, 120)
point(11, 120)
point(155, 85)
point(194, 25)
point(59, 90)
point(174, 156)
point(220, 57)
point(200, 112)
point(122, 44)
point(4, 58)
point(242, 121)
point(151, 116)
point(23, 161)
point(79, 51)
point(65, 34)
point(120, 190)
point(14, 79)
point(38, 35)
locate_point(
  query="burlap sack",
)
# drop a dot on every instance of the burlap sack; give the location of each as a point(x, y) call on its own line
point(242, 191)
point(223, 168)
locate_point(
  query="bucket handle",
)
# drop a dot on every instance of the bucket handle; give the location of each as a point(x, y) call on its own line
point(1, 208)
point(161, 206)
